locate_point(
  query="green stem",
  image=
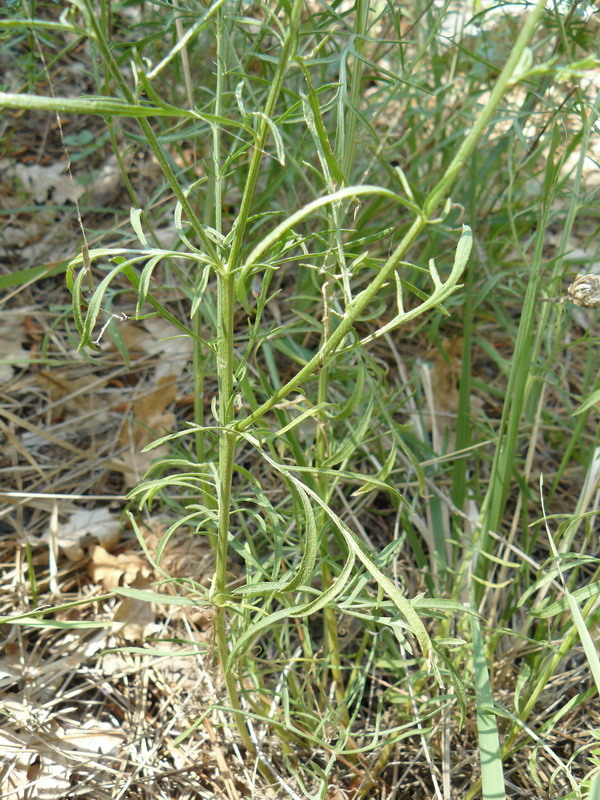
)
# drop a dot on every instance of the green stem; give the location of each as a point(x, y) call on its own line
point(501, 86)
point(358, 43)
point(288, 49)
point(329, 615)
point(348, 143)
point(226, 372)
point(542, 681)
point(227, 443)
point(214, 214)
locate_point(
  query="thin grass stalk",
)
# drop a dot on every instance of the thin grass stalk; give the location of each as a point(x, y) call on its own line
point(463, 417)
point(529, 344)
point(588, 122)
point(492, 775)
point(574, 443)
point(287, 51)
point(519, 384)
point(542, 679)
point(214, 193)
point(348, 141)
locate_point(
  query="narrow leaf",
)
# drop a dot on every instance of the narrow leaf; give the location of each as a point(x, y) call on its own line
point(492, 774)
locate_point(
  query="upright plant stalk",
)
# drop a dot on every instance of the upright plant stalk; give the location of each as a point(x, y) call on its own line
point(226, 273)
point(287, 50)
point(226, 372)
point(214, 214)
point(346, 145)
point(516, 393)
point(332, 649)
point(227, 444)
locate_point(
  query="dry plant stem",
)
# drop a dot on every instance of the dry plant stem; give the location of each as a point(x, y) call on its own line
point(435, 198)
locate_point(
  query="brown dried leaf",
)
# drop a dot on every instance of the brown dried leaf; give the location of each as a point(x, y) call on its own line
point(186, 555)
point(97, 523)
point(446, 373)
point(12, 338)
point(157, 337)
point(149, 421)
point(122, 570)
point(36, 770)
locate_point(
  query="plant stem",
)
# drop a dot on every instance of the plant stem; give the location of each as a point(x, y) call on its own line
point(227, 443)
point(226, 372)
point(289, 46)
point(110, 64)
point(347, 145)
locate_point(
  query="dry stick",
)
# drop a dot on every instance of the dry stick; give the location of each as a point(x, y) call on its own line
point(85, 250)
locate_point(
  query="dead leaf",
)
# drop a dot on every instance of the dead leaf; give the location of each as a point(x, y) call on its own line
point(133, 619)
point(446, 373)
point(12, 338)
point(97, 523)
point(94, 736)
point(185, 555)
point(112, 571)
point(58, 385)
point(157, 337)
point(49, 184)
point(34, 769)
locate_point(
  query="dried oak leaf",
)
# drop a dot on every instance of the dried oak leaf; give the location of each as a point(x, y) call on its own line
point(134, 619)
point(122, 570)
point(96, 523)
